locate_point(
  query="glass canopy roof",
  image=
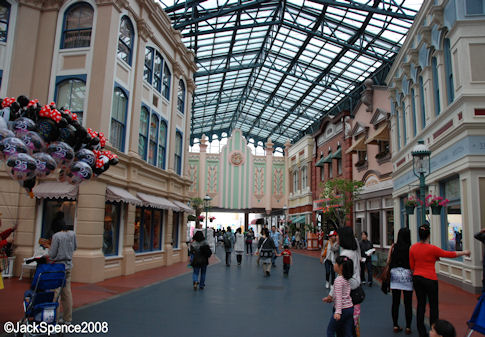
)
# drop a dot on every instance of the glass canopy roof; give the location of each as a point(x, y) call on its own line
point(275, 68)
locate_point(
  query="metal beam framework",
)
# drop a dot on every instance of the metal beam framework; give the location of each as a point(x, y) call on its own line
point(277, 68)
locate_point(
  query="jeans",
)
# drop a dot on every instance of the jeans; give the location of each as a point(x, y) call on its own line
point(286, 268)
point(239, 258)
point(273, 259)
point(249, 247)
point(408, 306)
point(228, 258)
point(329, 272)
point(195, 275)
point(363, 265)
point(344, 326)
point(426, 289)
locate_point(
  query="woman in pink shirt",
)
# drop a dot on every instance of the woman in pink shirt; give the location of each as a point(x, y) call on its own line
point(422, 260)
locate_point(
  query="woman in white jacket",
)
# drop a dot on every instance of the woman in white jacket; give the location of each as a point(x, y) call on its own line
point(239, 246)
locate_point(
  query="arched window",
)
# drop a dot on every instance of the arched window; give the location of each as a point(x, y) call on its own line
point(118, 119)
point(4, 20)
point(148, 69)
point(181, 97)
point(404, 121)
point(304, 177)
point(178, 153)
point(167, 76)
point(125, 40)
point(77, 27)
point(157, 72)
point(71, 94)
point(162, 144)
point(143, 133)
point(413, 108)
point(450, 88)
point(436, 86)
point(421, 102)
point(152, 148)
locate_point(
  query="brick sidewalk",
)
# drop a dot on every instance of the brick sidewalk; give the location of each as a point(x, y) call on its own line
point(87, 293)
point(455, 305)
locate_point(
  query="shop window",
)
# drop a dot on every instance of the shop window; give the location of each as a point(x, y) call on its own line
point(118, 119)
point(375, 227)
point(4, 20)
point(413, 108)
point(162, 144)
point(359, 225)
point(421, 102)
point(436, 87)
point(111, 234)
point(148, 68)
point(71, 94)
point(77, 26)
point(153, 135)
point(167, 78)
point(452, 216)
point(148, 229)
point(178, 152)
point(177, 217)
point(450, 88)
point(389, 228)
point(52, 209)
point(143, 133)
point(181, 97)
point(125, 40)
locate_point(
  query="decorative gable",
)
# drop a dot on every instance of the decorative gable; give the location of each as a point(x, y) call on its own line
point(359, 129)
point(379, 117)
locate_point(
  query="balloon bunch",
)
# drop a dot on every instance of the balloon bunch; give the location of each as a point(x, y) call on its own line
point(36, 140)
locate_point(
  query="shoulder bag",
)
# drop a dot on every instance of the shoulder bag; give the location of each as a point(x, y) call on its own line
point(265, 252)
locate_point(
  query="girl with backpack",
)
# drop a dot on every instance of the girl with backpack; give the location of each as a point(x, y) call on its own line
point(201, 252)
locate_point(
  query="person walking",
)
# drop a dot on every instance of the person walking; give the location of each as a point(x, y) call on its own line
point(287, 259)
point(366, 258)
point(266, 250)
point(228, 244)
point(341, 322)
point(422, 260)
point(297, 238)
point(61, 249)
point(329, 254)
point(239, 246)
point(200, 252)
point(401, 279)
point(249, 242)
point(275, 235)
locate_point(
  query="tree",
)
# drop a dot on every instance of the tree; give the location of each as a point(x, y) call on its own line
point(197, 205)
point(339, 196)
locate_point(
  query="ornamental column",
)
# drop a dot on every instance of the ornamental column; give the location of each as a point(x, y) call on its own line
point(269, 174)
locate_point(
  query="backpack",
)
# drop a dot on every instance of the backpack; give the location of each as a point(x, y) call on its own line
point(227, 242)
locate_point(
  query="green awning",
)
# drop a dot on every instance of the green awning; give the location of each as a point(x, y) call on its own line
point(337, 154)
point(327, 159)
point(298, 219)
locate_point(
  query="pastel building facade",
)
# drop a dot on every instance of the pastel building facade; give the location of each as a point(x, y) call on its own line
point(371, 159)
point(436, 87)
point(125, 71)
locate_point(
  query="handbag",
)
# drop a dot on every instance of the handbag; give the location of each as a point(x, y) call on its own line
point(357, 295)
point(265, 252)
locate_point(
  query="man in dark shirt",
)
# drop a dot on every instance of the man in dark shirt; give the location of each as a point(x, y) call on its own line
point(366, 260)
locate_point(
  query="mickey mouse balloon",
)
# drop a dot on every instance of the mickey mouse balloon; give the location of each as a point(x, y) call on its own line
point(45, 164)
point(11, 146)
point(21, 167)
point(62, 153)
point(79, 172)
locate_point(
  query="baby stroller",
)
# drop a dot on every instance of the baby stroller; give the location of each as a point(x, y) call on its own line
point(477, 322)
point(41, 300)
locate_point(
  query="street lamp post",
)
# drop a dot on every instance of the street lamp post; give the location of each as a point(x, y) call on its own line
point(421, 169)
point(207, 201)
point(284, 211)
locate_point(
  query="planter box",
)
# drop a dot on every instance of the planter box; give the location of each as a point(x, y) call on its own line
point(410, 209)
point(8, 271)
point(436, 210)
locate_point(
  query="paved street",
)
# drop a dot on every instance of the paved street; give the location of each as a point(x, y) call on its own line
point(237, 301)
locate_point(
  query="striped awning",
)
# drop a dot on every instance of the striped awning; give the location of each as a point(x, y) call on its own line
point(298, 219)
point(149, 200)
point(358, 145)
point(382, 134)
point(118, 194)
point(55, 190)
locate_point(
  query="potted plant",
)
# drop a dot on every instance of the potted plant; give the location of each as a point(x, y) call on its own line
point(436, 203)
point(212, 218)
point(201, 218)
point(411, 204)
